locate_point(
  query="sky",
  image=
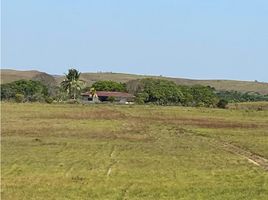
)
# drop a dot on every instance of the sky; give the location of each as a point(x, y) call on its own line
point(200, 39)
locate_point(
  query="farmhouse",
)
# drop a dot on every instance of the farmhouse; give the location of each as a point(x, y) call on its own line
point(102, 96)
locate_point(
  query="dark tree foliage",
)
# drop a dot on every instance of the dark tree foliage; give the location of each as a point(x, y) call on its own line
point(188, 99)
point(222, 103)
point(157, 91)
point(30, 90)
point(204, 96)
point(235, 97)
point(164, 92)
point(109, 86)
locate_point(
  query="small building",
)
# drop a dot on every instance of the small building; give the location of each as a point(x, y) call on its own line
point(105, 96)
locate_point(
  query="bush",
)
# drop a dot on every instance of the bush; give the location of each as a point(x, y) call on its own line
point(19, 98)
point(111, 99)
point(234, 96)
point(49, 100)
point(141, 98)
point(222, 103)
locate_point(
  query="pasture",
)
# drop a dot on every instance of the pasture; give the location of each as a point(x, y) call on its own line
point(132, 152)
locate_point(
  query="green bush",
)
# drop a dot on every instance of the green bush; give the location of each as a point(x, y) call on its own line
point(111, 99)
point(49, 100)
point(19, 98)
point(31, 90)
point(222, 103)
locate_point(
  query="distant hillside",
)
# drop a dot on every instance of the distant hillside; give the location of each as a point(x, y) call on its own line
point(242, 86)
point(90, 78)
point(9, 75)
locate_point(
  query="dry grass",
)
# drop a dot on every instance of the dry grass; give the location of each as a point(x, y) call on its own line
point(249, 106)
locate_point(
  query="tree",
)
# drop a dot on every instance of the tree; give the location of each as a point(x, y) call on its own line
point(204, 96)
point(109, 86)
point(72, 83)
point(157, 91)
point(31, 90)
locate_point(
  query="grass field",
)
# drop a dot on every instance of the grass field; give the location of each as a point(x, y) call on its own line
point(249, 106)
point(133, 152)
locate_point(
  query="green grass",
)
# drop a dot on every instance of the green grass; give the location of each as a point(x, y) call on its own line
point(131, 152)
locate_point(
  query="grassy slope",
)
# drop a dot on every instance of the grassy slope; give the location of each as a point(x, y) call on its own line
point(8, 76)
point(130, 152)
point(243, 86)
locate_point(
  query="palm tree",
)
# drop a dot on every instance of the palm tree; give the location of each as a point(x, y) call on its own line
point(71, 84)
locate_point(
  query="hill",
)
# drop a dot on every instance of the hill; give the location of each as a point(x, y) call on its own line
point(90, 78)
point(9, 75)
point(241, 86)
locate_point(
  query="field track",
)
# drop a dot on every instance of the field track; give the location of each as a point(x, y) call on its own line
point(104, 152)
point(252, 157)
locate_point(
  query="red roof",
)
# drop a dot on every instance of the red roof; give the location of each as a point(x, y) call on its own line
point(110, 94)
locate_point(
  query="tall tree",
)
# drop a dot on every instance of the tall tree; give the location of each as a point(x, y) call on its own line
point(72, 83)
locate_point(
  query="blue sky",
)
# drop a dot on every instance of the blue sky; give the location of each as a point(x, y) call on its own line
point(202, 39)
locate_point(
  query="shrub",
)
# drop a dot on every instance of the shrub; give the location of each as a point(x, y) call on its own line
point(222, 103)
point(111, 99)
point(19, 98)
point(49, 100)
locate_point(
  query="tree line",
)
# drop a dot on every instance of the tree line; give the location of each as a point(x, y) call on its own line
point(146, 91)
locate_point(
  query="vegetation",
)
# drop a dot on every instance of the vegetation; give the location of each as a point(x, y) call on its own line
point(146, 90)
point(222, 103)
point(163, 92)
point(160, 92)
point(204, 96)
point(248, 106)
point(19, 98)
point(72, 83)
point(234, 96)
point(24, 91)
point(111, 152)
point(109, 86)
point(111, 99)
point(90, 78)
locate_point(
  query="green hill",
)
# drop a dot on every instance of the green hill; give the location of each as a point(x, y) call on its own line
point(90, 78)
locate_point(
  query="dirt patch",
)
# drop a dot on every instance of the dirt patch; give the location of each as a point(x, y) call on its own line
point(252, 157)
